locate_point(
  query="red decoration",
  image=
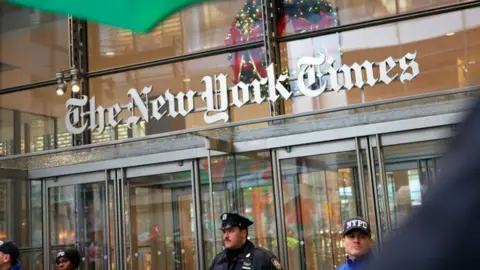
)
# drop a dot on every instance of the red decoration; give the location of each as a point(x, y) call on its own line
point(155, 232)
point(304, 15)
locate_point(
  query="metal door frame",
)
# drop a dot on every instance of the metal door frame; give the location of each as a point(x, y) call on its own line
point(120, 178)
point(69, 180)
point(312, 149)
point(368, 144)
point(375, 145)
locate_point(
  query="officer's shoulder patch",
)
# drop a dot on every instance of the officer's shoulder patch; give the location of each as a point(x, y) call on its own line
point(276, 263)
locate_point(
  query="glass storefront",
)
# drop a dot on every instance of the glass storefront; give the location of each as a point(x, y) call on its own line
point(149, 195)
point(199, 28)
point(446, 53)
point(167, 214)
point(38, 122)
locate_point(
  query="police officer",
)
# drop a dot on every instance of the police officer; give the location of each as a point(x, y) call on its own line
point(9, 256)
point(239, 252)
point(68, 260)
point(357, 241)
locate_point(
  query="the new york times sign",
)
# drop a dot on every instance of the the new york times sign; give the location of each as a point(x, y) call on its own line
point(311, 69)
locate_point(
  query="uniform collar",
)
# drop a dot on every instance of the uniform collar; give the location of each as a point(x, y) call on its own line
point(247, 250)
point(246, 253)
point(358, 261)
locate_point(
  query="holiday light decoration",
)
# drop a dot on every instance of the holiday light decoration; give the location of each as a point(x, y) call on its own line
point(304, 15)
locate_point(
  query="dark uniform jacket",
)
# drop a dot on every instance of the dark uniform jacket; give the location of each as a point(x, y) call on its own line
point(249, 257)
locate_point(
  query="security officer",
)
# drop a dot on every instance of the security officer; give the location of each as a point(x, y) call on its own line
point(239, 252)
point(357, 242)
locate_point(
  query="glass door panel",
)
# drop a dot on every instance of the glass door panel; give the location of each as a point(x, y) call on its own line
point(161, 220)
point(260, 206)
point(78, 218)
point(223, 202)
point(241, 183)
point(410, 169)
point(320, 192)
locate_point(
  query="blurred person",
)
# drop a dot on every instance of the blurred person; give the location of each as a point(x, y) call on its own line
point(357, 241)
point(440, 235)
point(68, 260)
point(239, 252)
point(9, 256)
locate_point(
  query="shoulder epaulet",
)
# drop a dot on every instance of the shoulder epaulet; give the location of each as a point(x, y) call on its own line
point(271, 257)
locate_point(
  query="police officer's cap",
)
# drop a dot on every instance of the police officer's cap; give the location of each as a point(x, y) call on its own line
point(356, 224)
point(230, 220)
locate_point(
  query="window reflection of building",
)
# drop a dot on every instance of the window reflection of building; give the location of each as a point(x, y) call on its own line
point(446, 66)
point(410, 170)
point(162, 222)
point(197, 28)
point(320, 192)
point(64, 219)
point(33, 45)
point(242, 184)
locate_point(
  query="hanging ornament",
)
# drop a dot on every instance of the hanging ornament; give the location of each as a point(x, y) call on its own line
point(304, 15)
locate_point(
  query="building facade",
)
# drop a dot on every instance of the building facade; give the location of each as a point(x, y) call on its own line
point(207, 114)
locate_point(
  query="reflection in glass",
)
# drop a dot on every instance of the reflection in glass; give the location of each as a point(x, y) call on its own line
point(20, 208)
point(32, 260)
point(410, 169)
point(446, 55)
point(319, 193)
point(78, 219)
point(34, 45)
point(33, 121)
point(198, 28)
point(6, 132)
point(242, 184)
point(162, 222)
point(296, 16)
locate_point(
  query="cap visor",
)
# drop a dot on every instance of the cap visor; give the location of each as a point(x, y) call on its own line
point(356, 229)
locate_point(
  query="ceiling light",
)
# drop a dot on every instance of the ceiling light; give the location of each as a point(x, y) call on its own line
point(109, 53)
point(449, 34)
point(75, 80)
point(60, 84)
point(75, 88)
point(60, 91)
